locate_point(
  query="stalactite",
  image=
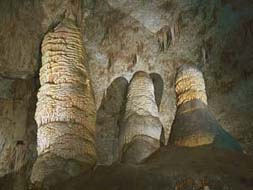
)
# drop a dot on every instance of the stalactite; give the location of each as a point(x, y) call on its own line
point(164, 38)
point(204, 55)
point(65, 112)
point(194, 124)
point(175, 33)
point(141, 128)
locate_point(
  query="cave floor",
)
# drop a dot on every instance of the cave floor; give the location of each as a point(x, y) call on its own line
point(172, 167)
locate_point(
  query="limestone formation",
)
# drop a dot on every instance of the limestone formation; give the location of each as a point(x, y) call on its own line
point(194, 124)
point(190, 85)
point(164, 38)
point(65, 112)
point(141, 128)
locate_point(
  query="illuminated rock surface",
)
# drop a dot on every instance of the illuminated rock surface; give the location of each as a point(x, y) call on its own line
point(141, 128)
point(122, 37)
point(190, 85)
point(194, 124)
point(65, 112)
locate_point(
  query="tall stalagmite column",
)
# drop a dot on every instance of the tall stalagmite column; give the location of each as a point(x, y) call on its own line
point(141, 128)
point(66, 110)
point(194, 124)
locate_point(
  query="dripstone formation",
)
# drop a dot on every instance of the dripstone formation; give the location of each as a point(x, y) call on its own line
point(141, 128)
point(66, 111)
point(194, 124)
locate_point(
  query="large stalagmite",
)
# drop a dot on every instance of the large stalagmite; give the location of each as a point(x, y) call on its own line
point(194, 124)
point(65, 112)
point(141, 128)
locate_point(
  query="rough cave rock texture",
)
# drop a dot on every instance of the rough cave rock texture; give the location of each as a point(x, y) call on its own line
point(109, 116)
point(65, 112)
point(172, 168)
point(141, 128)
point(190, 85)
point(16, 148)
point(122, 37)
point(194, 124)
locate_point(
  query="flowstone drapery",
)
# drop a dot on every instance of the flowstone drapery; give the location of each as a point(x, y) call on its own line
point(194, 124)
point(141, 128)
point(65, 112)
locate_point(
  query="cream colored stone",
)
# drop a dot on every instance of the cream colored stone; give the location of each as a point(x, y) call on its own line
point(190, 85)
point(65, 112)
point(141, 127)
point(141, 97)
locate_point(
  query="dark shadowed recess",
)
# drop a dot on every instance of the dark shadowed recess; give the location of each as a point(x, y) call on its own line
point(172, 167)
point(108, 120)
point(158, 87)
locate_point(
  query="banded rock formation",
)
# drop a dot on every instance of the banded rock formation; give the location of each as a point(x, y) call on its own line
point(194, 124)
point(65, 112)
point(141, 128)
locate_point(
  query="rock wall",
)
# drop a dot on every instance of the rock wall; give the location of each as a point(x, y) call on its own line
point(16, 144)
point(19, 61)
point(109, 118)
point(123, 37)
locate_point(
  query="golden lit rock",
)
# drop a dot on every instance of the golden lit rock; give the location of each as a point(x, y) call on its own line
point(194, 124)
point(66, 111)
point(190, 85)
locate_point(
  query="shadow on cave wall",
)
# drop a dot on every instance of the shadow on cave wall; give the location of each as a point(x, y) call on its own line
point(108, 120)
point(158, 87)
point(158, 90)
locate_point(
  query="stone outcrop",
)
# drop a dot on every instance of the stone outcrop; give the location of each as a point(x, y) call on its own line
point(109, 116)
point(65, 112)
point(16, 126)
point(141, 128)
point(194, 124)
point(172, 167)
